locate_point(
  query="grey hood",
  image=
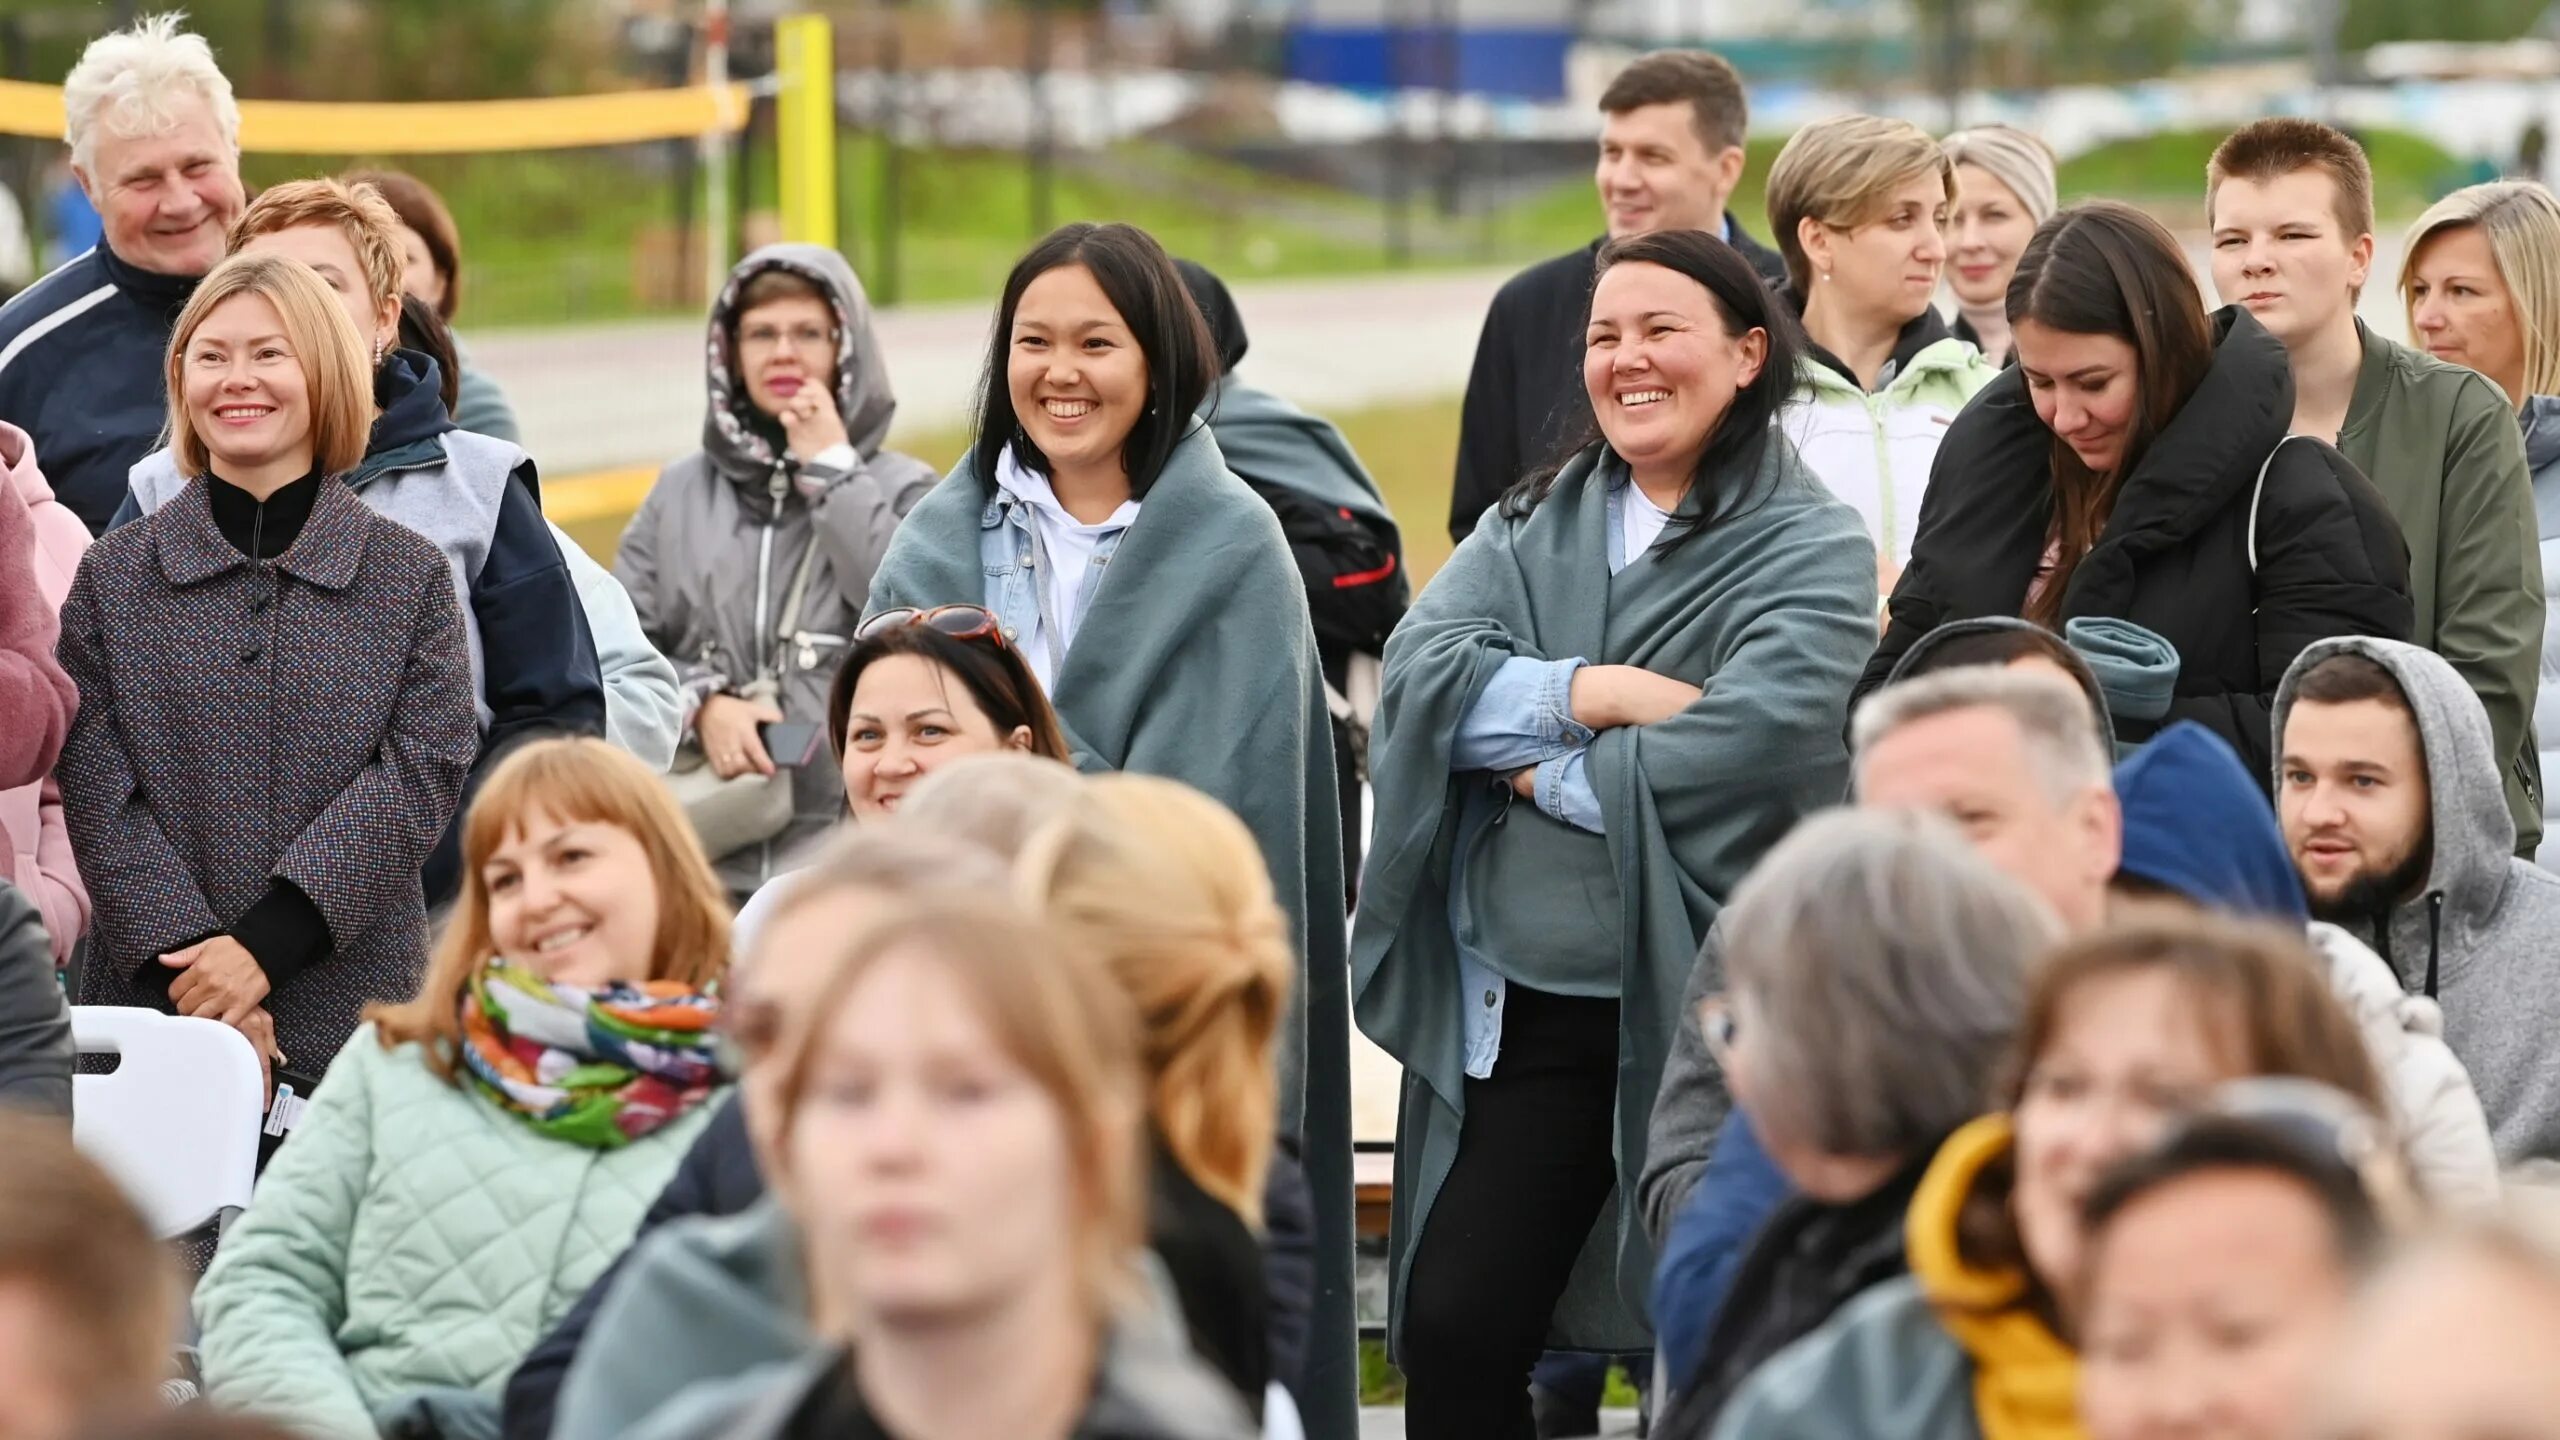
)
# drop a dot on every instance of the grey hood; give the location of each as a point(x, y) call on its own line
point(2475, 840)
point(736, 436)
point(2481, 925)
point(2541, 419)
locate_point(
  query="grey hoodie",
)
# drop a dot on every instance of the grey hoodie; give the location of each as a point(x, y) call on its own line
point(709, 559)
point(2480, 933)
point(2542, 452)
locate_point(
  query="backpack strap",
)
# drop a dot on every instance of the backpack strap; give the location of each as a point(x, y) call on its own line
point(2257, 494)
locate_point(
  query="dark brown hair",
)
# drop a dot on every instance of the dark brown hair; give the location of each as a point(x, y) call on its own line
point(1139, 280)
point(992, 671)
point(2225, 1144)
point(1704, 80)
point(2346, 678)
point(2271, 149)
point(1742, 434)
point(424, 330)
point(2105, 268)
point(422, 209)
point(106, 1286)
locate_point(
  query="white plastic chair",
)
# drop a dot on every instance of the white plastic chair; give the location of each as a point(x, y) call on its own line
point(177, 1123)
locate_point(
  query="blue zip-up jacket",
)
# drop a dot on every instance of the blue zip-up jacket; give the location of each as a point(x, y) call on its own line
point(81, 359)
point(536, 657)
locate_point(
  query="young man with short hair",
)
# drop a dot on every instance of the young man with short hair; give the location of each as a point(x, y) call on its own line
point(1670, 157)
point(2388, 791)
point(2291, 206)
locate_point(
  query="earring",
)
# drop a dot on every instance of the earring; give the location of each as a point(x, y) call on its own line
point(381, 348)
point(1826, 277)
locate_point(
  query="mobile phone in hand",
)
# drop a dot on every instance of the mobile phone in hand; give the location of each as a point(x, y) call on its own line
point(791, 743)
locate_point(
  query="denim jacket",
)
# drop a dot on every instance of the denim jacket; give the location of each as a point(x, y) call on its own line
point(1523, 718)
point(1009, 543)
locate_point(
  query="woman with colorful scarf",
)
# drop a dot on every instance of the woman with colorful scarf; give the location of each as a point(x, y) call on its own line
point(2124, 1032)
point(488, 1148)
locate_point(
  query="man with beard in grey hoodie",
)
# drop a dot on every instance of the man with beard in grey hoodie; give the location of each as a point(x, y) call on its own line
point(2394, 812)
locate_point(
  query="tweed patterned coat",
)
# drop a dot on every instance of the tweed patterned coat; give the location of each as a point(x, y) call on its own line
point(308, 717)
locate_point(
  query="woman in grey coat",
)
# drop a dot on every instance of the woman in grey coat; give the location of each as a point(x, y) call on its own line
point(275, 698)
point(791, 479)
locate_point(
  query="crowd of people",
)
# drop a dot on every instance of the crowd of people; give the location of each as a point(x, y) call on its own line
point(1930, 872)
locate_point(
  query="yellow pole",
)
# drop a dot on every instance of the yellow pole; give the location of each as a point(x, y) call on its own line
point(805, 127)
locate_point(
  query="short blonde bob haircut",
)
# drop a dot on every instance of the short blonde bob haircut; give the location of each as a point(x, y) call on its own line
point(574, 781)
point(337, 373)
point(359, 212)
point(2521, 221)
point(1169, 891)
point(1055, 1013)
point(1840, 173)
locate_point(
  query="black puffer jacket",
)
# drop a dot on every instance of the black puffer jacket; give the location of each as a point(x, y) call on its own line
point(2175, 554)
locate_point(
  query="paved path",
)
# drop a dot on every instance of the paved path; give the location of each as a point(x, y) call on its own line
point(602, 397)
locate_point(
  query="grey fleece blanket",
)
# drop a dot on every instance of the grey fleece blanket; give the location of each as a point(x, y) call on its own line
point(1772, 611)
point(1197, 661)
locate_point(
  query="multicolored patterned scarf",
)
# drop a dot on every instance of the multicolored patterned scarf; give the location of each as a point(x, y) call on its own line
point(600, 1068)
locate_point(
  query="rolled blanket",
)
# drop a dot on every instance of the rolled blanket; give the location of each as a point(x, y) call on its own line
point(2136, 669)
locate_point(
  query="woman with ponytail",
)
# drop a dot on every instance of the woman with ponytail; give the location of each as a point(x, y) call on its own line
point(1202, 948)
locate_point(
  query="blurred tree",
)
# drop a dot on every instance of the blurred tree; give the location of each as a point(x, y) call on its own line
point(373, 50)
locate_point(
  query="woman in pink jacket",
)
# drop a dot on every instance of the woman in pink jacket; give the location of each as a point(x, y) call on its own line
point(38, 859)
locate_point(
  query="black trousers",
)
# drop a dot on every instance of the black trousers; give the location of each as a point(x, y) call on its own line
point(1534, 1168)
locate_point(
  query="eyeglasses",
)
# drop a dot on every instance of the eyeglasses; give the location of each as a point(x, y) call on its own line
point(1720, 1025)
point(799, 337)
point(960, 622)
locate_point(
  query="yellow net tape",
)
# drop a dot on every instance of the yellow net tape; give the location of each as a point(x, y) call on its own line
point(296, 127)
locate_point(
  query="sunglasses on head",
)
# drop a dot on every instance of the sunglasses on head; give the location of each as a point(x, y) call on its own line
point(960, 622)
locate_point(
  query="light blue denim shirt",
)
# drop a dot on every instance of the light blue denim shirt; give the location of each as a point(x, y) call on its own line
point(1523, 718)
point(1009, 544)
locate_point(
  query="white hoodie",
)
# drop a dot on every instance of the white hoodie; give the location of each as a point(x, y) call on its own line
point(2441, 1123)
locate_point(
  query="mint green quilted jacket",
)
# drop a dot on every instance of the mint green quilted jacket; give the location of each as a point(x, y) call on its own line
point(410, 1235)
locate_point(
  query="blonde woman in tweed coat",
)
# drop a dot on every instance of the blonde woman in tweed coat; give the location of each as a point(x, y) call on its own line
point(275, 700)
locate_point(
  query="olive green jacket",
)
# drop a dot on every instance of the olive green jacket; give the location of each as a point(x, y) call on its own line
point(2442, 445)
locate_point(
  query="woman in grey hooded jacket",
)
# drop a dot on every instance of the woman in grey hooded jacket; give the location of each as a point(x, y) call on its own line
point(791, 481)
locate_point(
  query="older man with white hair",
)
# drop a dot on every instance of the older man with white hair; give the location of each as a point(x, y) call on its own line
point(155, 141)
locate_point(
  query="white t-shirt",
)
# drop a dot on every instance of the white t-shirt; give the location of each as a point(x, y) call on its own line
point(1069, 547)
point(1640, 523)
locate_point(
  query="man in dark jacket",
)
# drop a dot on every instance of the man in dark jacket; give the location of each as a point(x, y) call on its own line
point(1670, 157)
point(155, 142)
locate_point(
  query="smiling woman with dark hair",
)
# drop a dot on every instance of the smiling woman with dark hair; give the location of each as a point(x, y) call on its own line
point(1628, 683)
point(1154, 596)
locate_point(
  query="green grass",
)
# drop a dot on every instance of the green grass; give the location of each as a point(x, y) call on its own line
point(1382, 1384)
point(2166, 171)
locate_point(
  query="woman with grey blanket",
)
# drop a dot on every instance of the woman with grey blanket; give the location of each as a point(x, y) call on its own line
point(1154, 596)
point(1626, 685)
